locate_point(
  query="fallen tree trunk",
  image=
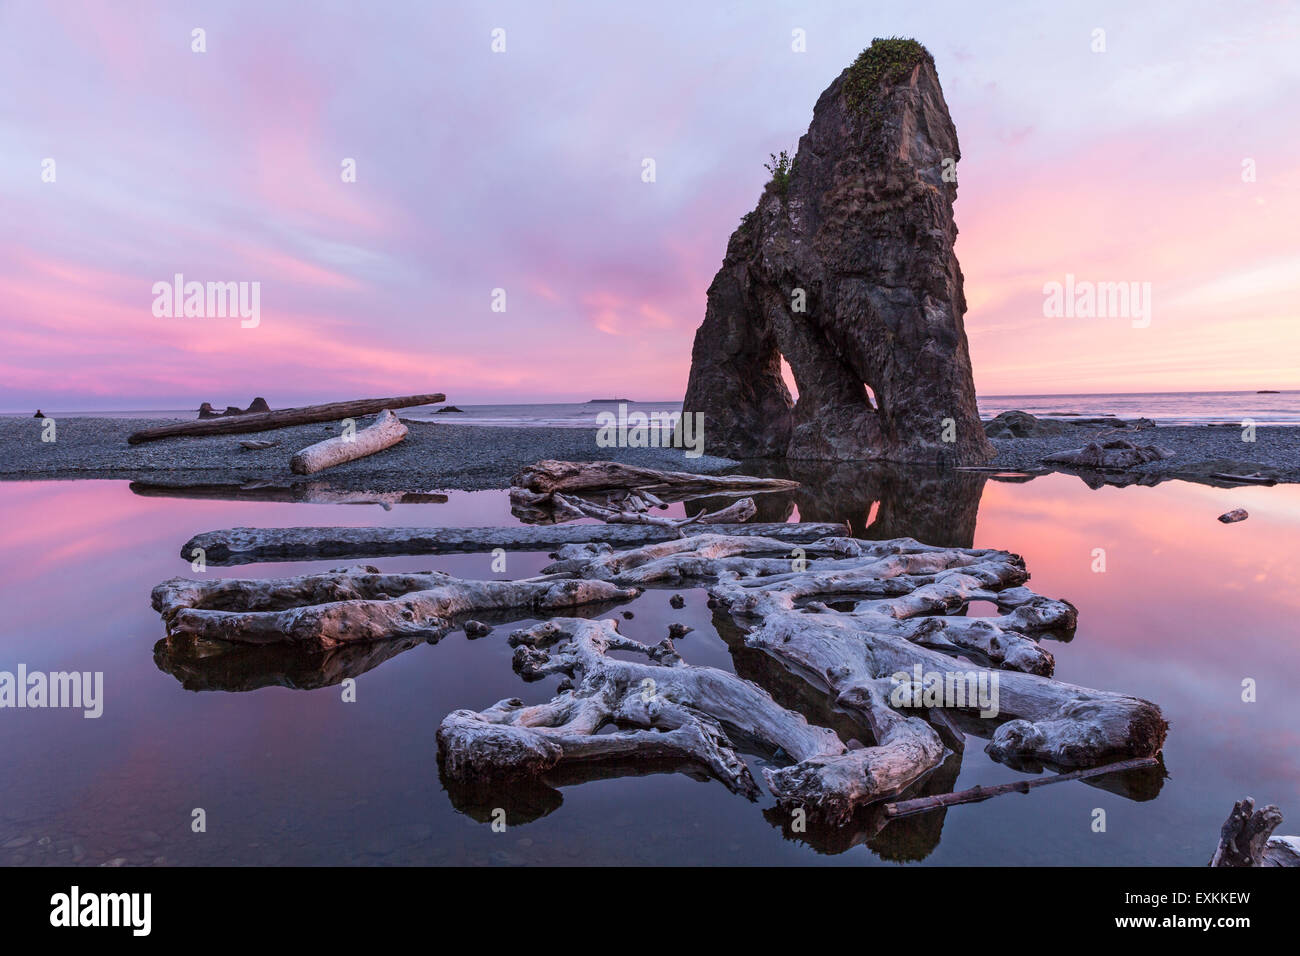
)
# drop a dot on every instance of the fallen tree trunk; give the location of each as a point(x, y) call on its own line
point(595, 477)
point(283, 418)
point(355, 605)
point(386, 432)
point(233, 546)
point(978, 794)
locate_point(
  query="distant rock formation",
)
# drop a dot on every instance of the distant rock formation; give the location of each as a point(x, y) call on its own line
point(257, 405)
point(449, 409)
point(39, 414)
point(846, 268)
point(1018, 424)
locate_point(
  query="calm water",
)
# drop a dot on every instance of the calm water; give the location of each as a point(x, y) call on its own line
point(1186, 609)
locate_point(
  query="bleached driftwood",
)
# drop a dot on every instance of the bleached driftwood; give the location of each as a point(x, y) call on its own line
point(665, 709)
point(1246, 838)
point(738, 512)
point(264, 421)
point(386, 431)
point(597, 477)
point(556, 491)
point(354, 605)
point(256, 545)
point(868, 625)
point(901, 596)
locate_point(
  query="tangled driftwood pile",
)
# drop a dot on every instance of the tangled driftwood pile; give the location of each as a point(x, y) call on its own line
point(864, 627)
point(556, 491)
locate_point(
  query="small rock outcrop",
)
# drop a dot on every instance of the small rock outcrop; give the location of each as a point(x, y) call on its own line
point(1235, 515)
point(1018, 424)
point(256, 406)
point(846, 269)
point(1113, 455)
point(39, 414)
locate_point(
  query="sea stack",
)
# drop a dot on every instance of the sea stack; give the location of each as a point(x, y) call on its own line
point(846, 268)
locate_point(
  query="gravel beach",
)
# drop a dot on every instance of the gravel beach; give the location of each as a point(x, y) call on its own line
point(436, 457)
point(432, 457)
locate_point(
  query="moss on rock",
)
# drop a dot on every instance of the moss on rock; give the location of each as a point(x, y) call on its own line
point(888, 60)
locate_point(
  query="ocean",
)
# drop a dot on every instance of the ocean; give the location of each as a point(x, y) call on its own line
point(1165, 408)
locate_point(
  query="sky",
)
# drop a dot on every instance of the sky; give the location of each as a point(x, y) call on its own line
point(1170, 157)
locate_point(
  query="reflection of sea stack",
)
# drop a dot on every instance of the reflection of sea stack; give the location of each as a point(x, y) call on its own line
point(846, 268)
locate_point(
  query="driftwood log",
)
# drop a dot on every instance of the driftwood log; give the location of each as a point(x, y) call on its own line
point(556, 491)
point(354, 605)
point(737, 512)
point(283, 418)
point(598, 477)
point(1246, 838)
point(386, 431)
point(232, 546)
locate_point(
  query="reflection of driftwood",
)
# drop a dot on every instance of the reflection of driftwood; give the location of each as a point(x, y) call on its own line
point(206, 666)
point(354, 605)
point(255, 545)
point(1245, 838)
point(264, 421)
point(313, 492)
point(978, 794)
point(386, 432)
